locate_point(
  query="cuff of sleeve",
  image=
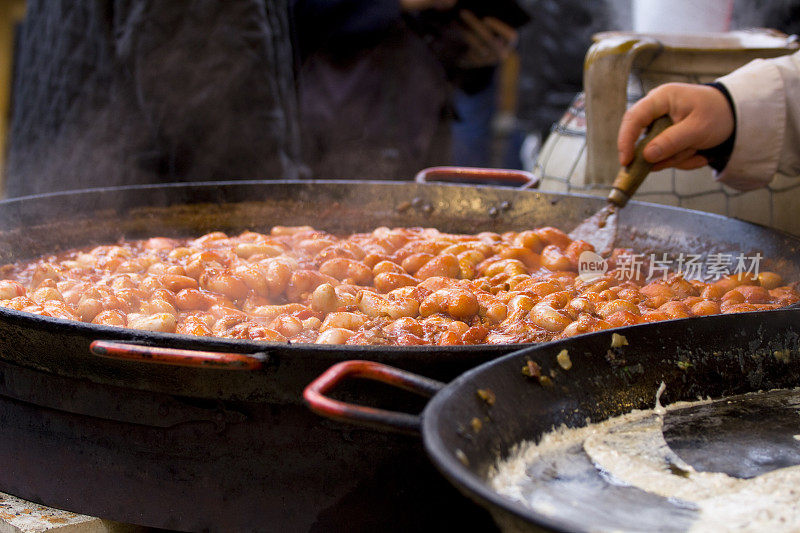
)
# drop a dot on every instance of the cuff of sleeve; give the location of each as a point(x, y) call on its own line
point(719, 155)
point(760, 112)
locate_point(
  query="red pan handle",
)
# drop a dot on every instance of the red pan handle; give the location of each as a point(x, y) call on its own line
point(520, 178)
point(176, 357)
point(315, 397)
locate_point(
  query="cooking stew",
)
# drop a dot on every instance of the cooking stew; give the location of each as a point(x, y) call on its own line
point(401, 286)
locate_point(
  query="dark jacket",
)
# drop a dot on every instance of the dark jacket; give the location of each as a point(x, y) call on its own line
point(113, 92)
point(552, 48)
point(372, 92)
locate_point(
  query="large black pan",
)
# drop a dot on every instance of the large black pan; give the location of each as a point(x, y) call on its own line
point(715, 356)
point(241, 442)
point(42, 224)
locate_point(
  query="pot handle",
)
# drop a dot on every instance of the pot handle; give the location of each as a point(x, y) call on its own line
point(177, 357)
point(474, 175)
point(315, 397)
point(607, 67)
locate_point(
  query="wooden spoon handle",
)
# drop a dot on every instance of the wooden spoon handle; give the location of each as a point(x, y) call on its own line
point(631, 177)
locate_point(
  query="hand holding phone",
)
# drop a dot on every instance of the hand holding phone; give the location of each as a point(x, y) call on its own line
point(489, 40)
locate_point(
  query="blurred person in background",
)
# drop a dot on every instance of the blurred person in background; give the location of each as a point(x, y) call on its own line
point(376, 81)
point(115, 92)
point(552, 49)
point(475, 103)
point(782, 15)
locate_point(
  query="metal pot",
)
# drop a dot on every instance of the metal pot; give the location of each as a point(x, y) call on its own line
point(222, 447)
point(716, 356)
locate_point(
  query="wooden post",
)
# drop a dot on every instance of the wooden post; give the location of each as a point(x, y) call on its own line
point(11, 12)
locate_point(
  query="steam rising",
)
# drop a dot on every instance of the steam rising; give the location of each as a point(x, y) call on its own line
point(783, 15)
point(150, 92)
point(133, 92)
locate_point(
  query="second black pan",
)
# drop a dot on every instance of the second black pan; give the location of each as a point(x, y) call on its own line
point(717, 356)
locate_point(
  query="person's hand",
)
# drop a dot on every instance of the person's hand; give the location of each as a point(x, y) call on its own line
point(489, 40)
point(421, 5)
point(702, 116)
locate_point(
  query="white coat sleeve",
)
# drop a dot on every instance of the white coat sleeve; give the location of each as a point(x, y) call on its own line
point(766, 97)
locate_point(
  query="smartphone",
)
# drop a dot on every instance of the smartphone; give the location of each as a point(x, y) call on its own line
point(508, 11)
